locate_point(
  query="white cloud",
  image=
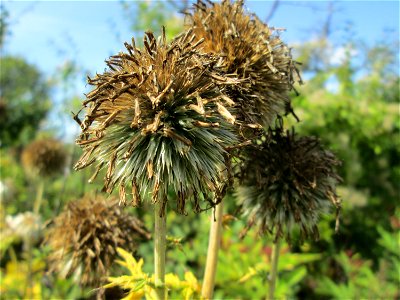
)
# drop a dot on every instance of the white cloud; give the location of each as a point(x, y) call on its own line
point(339, 54)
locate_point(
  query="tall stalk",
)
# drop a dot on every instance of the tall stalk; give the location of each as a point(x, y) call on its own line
point(274, 269)
point(212, 253)
point(28, 292)
point(39, 197)
point(159, 250)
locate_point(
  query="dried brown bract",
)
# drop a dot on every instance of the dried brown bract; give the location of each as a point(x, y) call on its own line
point(44, 157)
point(84, 238)
point(157, 121)
point(250, 49)
point(287, 181)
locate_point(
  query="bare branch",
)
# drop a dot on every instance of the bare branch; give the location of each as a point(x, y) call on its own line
point(272, 11)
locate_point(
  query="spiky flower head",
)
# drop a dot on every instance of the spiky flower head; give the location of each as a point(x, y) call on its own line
point(287, 181)
point(84, 237)
point(44, 157)
point(253, 51)
point(25, 226)
point(156, 120)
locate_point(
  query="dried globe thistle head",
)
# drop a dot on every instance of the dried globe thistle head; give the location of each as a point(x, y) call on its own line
point(45, 157)
point(286, 182)
point(251, 50)
point(84, 237)
point(26, 226)
point(156, 120)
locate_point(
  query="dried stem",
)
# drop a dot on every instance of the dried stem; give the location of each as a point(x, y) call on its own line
point(212, 254)
point(159, 249)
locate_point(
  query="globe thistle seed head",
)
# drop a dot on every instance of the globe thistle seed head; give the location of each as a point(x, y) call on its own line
point(253, 51)
point(286, 182)
point(84, 237)
point(45, 157)
point(26, 226)
point(158, 119)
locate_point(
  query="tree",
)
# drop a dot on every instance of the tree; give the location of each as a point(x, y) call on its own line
point(24, 101)
point(357, 117)
point(152, 15)
point(3, 24)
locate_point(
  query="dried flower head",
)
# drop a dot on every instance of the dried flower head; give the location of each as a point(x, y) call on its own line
point(84, 237)
point(25, 226)
point(287, 181)
point(253, 51)
point(45, 157)
point(157, 119)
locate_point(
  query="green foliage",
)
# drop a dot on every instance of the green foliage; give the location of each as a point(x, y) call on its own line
point(14, 189)
point(358, 120)
point(244, 266)
point(24, 100)
point(359, 281)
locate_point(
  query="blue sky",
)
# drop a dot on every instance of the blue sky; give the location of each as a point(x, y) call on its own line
point(48, 33)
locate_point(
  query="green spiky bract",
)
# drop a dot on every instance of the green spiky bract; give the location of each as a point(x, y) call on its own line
point(287, 181)
point(157, 121)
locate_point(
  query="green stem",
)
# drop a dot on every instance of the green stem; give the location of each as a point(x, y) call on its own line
point(39, 197)
point(28, 290)
point(13, 255)
point(159, 250)
point(212, 253)
point(274, 269)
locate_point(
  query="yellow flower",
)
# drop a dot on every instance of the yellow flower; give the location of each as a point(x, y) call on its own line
point(15, 279)
point(141, 284)
point(138, 283)
point(192, 286)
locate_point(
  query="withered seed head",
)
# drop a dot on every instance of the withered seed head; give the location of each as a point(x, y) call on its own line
point(287, 181)
point(157, 119)
point(45, 157)
point(84, 238)
point(252, 50)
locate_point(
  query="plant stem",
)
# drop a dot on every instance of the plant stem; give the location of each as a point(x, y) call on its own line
point(212, 253)
point(159, 250)
point(39, 197)
point(28, 290)
point(274, 269)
